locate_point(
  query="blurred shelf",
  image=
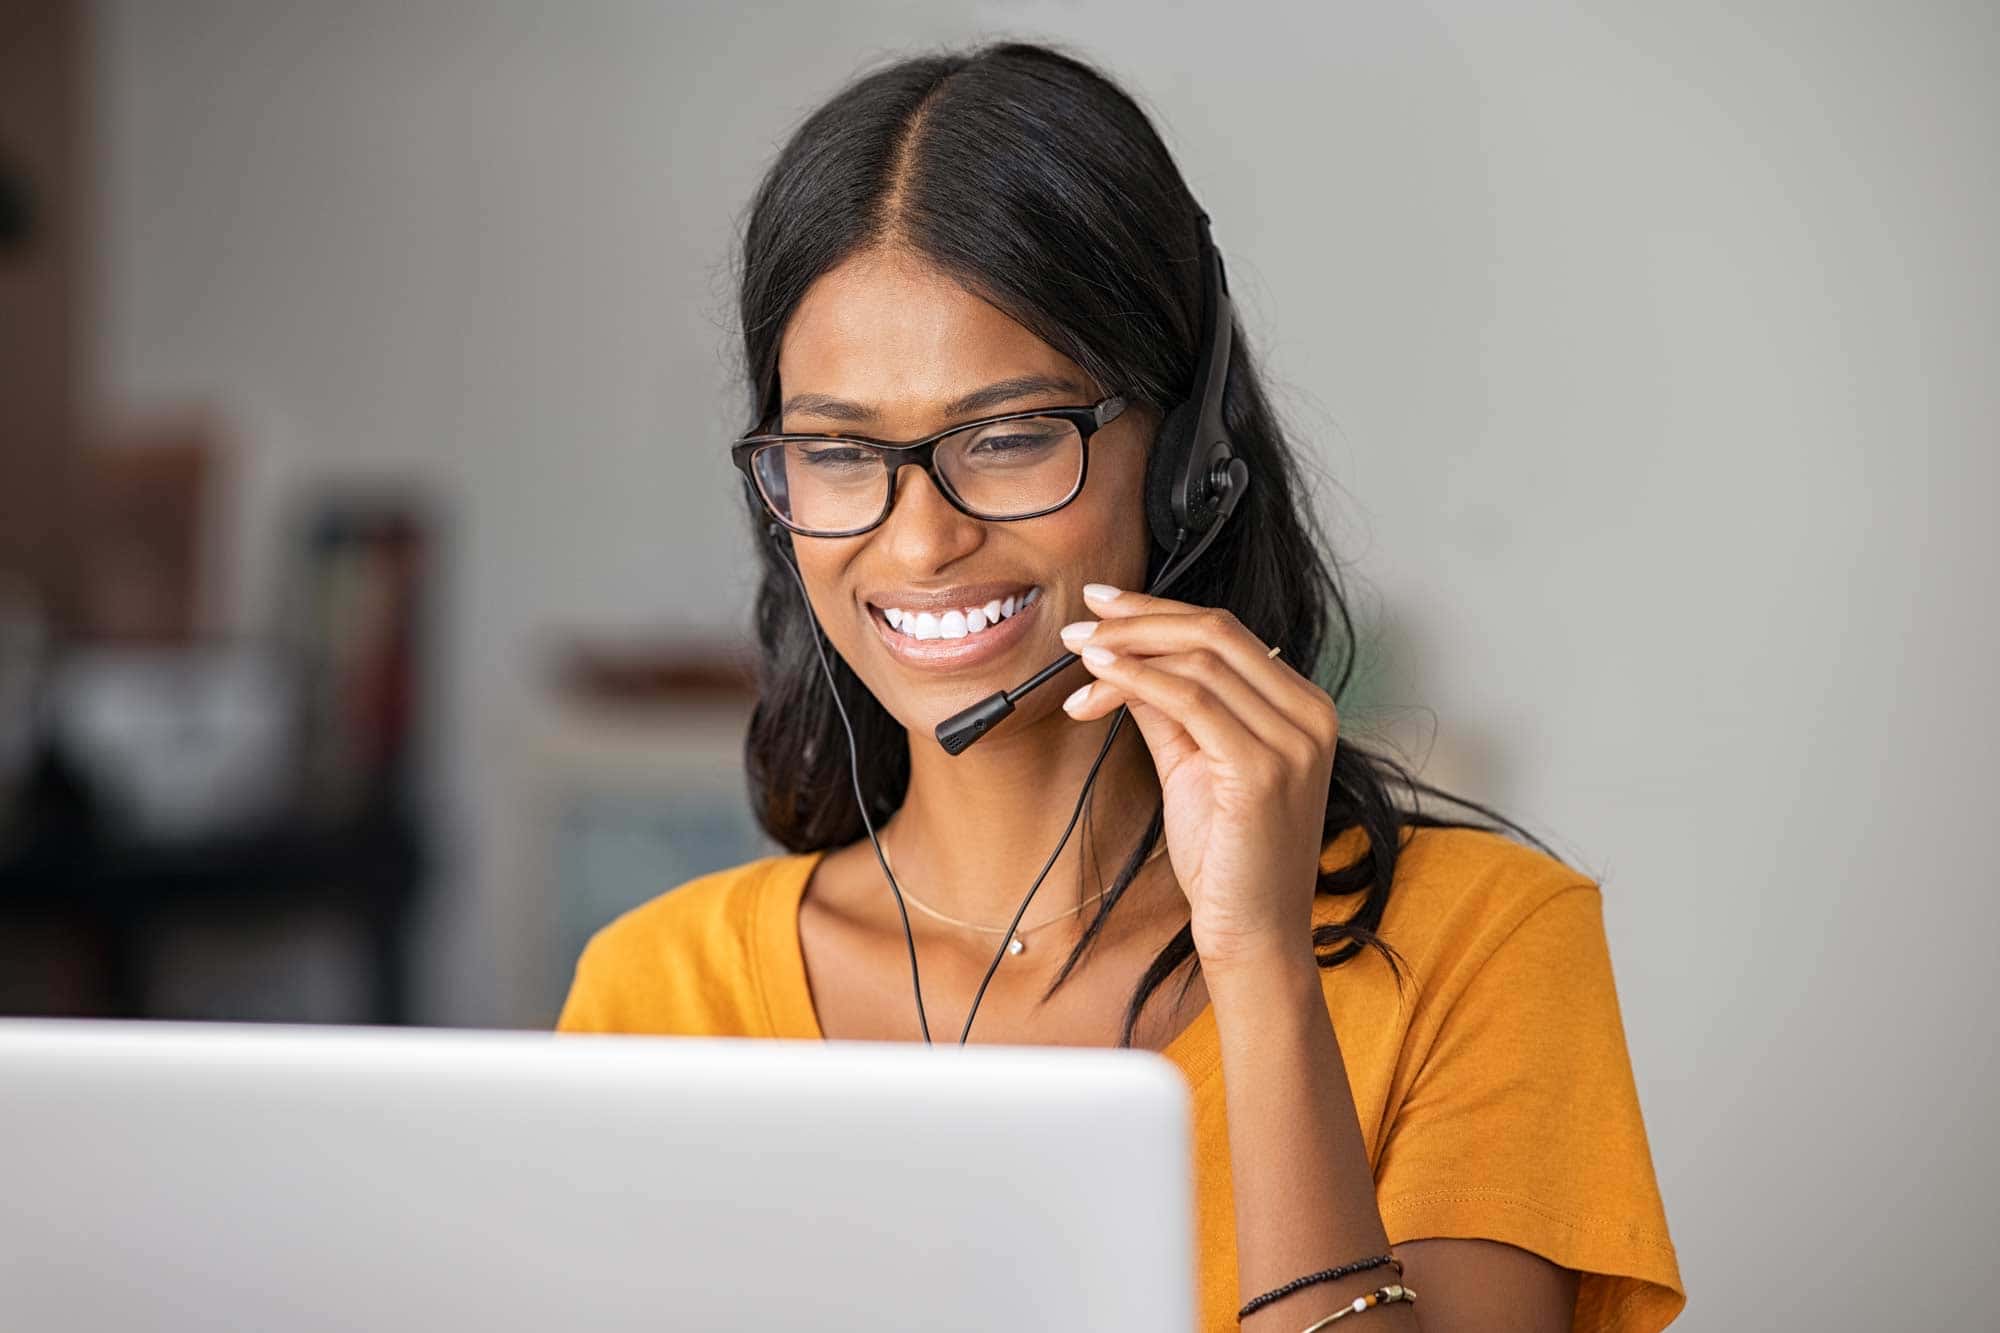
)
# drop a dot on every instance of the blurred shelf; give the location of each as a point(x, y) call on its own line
point(115, 890)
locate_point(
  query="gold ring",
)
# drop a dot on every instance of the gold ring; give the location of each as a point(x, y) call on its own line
point(1274, 652)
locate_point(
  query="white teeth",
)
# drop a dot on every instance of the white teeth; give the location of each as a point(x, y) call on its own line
point(958, 622)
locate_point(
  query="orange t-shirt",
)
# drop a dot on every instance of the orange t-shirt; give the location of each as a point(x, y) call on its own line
point(1496, 1097)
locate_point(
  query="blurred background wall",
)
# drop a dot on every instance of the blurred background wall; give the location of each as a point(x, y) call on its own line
point(1647, 353)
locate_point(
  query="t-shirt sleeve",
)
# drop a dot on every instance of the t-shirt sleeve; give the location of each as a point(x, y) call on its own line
point(1522, 1124)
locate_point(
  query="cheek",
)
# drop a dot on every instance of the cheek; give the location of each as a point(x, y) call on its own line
point(823, 564)
point(1112, 522)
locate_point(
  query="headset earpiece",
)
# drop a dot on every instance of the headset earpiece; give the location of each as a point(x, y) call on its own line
point(1191, 463)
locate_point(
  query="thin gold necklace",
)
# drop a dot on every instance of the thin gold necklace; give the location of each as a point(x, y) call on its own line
point(1016, 944)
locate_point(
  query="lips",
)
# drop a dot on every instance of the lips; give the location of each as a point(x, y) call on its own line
point(941, 654)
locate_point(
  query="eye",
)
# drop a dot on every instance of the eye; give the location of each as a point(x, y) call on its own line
point(837, 457)
point(1016, 442)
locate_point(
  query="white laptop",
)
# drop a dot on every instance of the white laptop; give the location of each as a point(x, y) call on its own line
point(181, 1176)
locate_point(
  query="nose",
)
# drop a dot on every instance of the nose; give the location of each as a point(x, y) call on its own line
point(923, 530)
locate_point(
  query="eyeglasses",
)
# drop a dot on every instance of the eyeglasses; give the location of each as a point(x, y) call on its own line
point(1020, 465)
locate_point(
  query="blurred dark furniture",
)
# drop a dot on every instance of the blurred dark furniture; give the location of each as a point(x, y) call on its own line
point(85, 895)
point(59, 873)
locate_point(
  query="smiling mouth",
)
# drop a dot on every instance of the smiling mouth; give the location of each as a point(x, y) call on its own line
point(952, 643)
point(958, 622)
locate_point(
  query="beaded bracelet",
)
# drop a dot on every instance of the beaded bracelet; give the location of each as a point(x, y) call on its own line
point(1389, 1295)
point(1324, 1275)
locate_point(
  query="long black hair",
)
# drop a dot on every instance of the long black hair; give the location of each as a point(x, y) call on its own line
point(1035, 182)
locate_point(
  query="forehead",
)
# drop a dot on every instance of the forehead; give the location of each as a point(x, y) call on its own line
point(889, 332)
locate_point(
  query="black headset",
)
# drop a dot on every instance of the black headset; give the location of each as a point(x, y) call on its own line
point(1194, 481)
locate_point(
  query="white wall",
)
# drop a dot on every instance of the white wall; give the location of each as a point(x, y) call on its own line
point(1651, 349)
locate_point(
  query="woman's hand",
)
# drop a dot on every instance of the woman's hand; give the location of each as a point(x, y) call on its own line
point(1244, 749)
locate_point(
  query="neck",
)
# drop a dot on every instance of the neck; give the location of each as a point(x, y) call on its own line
point(976, 828)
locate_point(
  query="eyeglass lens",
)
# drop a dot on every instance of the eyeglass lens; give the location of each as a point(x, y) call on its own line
point(1004, 469)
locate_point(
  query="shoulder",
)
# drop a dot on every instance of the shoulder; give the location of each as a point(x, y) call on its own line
point(1463, 871)
point(682, 961)
point(704, 911)
point(1459, 894)
point(1478, 877)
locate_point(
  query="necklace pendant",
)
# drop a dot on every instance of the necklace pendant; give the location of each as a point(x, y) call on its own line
point(1015, 945)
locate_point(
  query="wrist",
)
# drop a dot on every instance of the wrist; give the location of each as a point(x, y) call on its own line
point(1267, 968)
point(1273, 1004)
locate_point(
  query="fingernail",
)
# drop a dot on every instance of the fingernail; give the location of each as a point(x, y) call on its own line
point(1076, 700)
point(1097, 656)
point(1099, 592)
point(1081, 629)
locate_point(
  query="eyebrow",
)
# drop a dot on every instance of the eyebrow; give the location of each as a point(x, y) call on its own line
point(997, 394)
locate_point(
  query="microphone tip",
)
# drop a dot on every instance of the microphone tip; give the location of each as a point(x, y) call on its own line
point(957, 732)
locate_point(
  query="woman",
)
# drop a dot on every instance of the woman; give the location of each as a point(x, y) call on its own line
point(1401, 1032)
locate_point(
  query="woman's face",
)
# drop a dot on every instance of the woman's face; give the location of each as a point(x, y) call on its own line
point(898, 341)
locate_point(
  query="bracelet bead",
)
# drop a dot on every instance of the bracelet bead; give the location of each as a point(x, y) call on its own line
point(1324, 1275)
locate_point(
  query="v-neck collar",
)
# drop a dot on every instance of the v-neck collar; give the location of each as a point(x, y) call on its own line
point(779, 965)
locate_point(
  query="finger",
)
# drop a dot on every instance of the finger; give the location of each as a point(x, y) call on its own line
point(1108, 601)
point(1192, 627)
point(1200, 711)
point(1094, 699)
point(1168, 741)
point(1279, 730)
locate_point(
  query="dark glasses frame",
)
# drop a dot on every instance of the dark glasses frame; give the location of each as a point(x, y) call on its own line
point(922, 453)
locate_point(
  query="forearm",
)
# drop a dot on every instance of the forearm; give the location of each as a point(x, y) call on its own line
point(1304, 1193)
